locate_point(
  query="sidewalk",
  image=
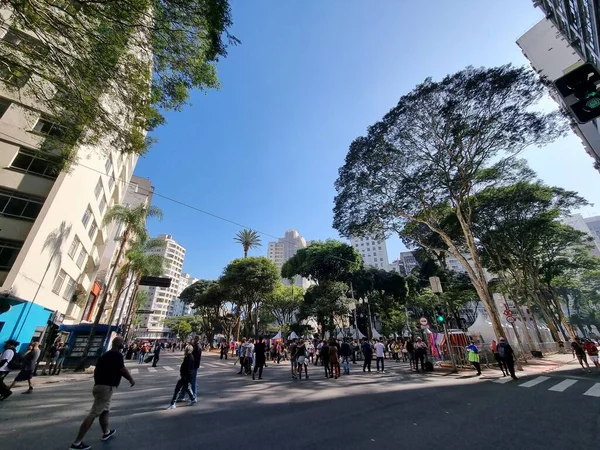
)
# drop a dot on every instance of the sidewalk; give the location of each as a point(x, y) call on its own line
point(41, 380)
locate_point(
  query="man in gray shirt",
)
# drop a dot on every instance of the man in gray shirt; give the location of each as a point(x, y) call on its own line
point(26, 373)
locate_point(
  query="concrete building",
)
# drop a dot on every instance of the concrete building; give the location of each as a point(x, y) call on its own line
point(556, 45)
point(283, 249)
point(372, 250)
point(588, 226)
point(162, 301)
point(180, 308)
point(407, 262)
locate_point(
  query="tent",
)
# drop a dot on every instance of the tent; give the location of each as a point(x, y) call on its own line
point(375, 334)
point(293, 335)
point(277, 336)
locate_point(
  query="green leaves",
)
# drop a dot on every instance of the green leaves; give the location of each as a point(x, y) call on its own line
point(249, 280)
point(249, 239)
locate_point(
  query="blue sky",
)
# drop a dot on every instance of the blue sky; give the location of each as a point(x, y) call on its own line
point(308, 78)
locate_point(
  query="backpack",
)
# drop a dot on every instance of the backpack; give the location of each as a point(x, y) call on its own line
point(16, 363)
point(501, 350)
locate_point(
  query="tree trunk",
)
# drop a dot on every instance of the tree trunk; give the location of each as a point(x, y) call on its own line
point(132, 305)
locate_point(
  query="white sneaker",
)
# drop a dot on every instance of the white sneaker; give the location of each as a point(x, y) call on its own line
point(172, 406)
point(192, 402)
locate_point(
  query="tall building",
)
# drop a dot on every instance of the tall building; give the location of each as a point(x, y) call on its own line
point(179, 307)
point(587, 226)
point(162, 301)
point(407, 262)
point(372, 250)
point(557, 45)
point(283, 249)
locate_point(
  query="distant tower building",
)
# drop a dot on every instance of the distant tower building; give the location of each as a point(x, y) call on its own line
point(179, 307)
point(373, 251)
point(282, 250)
point(407, 262)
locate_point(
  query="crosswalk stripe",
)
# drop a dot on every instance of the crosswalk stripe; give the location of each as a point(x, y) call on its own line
point(503, 380)
point(563, 385)
point(135, 371)
point(168, 368)
point(151, 369)
point(594, 391)
point(534, 382)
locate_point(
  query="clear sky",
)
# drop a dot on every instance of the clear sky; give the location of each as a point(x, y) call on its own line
point(308, 78)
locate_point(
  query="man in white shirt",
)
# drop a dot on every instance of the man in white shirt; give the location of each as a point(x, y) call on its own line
point(379, 353)
point(250, 355)
point(6, 357)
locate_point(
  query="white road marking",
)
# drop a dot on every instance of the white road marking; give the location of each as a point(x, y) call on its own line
point(135, 371)
point(534, 382)
point(594, 391)
point(503, 380)
point(168, 368)
point(151, 369)
point(563, 385)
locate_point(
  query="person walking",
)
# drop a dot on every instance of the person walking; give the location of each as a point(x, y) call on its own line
point(156, 354)
point(63, 352)
point(334, 360)
point(579, 352)
point(507, 353)
point(367, 352)
point(345, 355)
point(7, 356)
point(197, 355)
point(380, 355)
point(473, 356)
point(592, 351)
point(259, 358)
point(51, 359)
point(29, 361)
point(224, 347)
point(110, 367)
point(410, 352)
point(293, 358)
point(302, 359)
point(325, 358)
point(242, 355)
point(494, 349)
point(186, 375)
point(420, 353)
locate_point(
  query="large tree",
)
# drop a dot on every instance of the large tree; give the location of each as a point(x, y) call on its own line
point(440, 144)
point(71, 56)
point(248, 281)
point(284, 303)
point(208, 299)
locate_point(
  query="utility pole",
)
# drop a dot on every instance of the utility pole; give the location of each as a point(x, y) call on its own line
point(436, 287)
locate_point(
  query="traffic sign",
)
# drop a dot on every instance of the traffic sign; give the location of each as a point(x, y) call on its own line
point(511, 319)
point(508, 312)
point(423, 321)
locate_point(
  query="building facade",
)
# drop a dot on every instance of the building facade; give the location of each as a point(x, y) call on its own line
point(554, 48)
point(179, 307)
point(372, 250)
point(587, 226)
point(162, 301)
point(283, 249)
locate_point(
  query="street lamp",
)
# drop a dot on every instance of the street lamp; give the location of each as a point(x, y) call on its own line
point(436, 287)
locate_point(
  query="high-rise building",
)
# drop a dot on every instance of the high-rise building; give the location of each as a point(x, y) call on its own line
point(587, 226)
point(179, 307)
point(557, 45)
point(161, 301)
point(372, 250)
point(407, 262)
point(283, 249)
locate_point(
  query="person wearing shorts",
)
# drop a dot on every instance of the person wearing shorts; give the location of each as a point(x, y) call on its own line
point(301, 358)
point(592, 351)
point(29, 361)
point(110, 367)
point(293, 360)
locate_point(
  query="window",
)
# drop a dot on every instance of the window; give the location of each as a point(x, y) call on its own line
point(379, 248)
point(9, 250)
point(82, 257)
point(49, 128)
point(24, 42)
point(374, 253)
point(74, 247)
point(111, 182)
point(87, 215)
point(108, 166)
point(70, 289)
point(36, 163)
point(4, 105)
point(16, 204)
point(58, 282)
point(380, 259)
point(98, 190)
point(93, 229)
point(14, 74)
point(102, 205)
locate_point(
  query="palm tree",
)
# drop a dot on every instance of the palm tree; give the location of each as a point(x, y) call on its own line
point(249, 239)
point(134, 223)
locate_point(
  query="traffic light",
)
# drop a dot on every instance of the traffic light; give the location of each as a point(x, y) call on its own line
point(439, 314)
point(580, 90)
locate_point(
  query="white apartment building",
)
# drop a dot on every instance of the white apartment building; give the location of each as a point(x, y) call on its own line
point(372, 250)
point(407, 262)
point(283, 249)
point(179, 307)
point(588, 226)
point(162, 300)
point(551, 55)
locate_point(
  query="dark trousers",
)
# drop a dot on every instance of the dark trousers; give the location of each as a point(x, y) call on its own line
point(223, 353)
point(154, 361)
point(379, 358)
point(501, 364)
point(3, 387)
point(477, 366)
point(420, 358)
point(510, 365)
point(259, 366)
point(326, 366)
point(182, 383)
point(367, 363)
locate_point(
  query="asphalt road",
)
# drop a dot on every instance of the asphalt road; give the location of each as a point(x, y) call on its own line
point(360, 411)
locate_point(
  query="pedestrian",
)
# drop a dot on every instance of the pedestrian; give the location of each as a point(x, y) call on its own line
point(259, 358)
point(197, 355)
point(420, 351)
point(5, 366)
point(63, 352)
point(186, 375)
point(301, 358)
point(51, 359)
point(345, 354)
point(242, 355)
point(325, 358)
point(29, 361)
point(334, 360)
point(223, 346)
point(142, 354)
point(110, 367)
point(592, 351)
point(367, 352)
point(579, 352)
point(293, 358)
point(507, 356)
point(473, 357)
point(380, 355)
point(410, 351)
point(156, 354)
point(494, 349)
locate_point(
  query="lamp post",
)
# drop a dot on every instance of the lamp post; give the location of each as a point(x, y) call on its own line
point(436, 287)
